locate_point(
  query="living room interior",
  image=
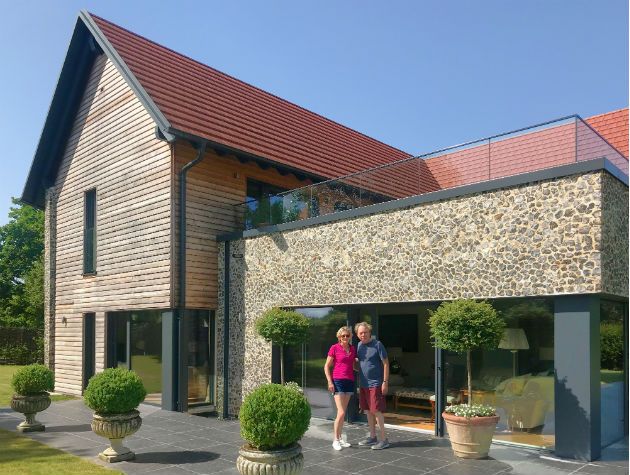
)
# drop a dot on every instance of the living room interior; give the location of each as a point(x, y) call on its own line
point(516, 378)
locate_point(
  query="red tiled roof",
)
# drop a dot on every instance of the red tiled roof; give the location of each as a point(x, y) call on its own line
point(613, 126)
point(207, 103)
point(201, 101)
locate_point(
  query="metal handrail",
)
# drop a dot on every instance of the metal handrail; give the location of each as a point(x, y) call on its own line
point(435, 152)
point(441, 152)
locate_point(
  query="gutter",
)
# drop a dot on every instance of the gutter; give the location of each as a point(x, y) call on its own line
point(181, 307)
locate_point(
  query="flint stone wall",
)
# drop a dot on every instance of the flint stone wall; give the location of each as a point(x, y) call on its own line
point(541, 238)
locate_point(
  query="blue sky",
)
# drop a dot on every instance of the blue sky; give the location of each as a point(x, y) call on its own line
point(416, 75)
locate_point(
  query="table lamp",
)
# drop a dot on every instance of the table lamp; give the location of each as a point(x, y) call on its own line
point(514, 339)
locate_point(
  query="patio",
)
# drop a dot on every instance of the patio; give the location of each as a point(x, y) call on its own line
point(177, 443)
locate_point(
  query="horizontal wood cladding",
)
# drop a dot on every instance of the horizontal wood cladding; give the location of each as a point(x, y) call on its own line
point(214, 186)
point(113, 148)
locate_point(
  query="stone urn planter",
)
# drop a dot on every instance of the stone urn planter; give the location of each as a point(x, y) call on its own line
point(470, 436)
point(115, 428)
point(114, 396)
point(31, 385)
point(30, 406)
point(288, 461)
point(273, 419)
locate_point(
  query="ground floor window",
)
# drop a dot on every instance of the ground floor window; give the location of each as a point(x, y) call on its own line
point(135, 342)
point(199, 337)
point(517, 378)
point(614, 356)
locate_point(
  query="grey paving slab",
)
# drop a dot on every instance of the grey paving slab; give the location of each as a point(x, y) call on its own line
point(175, 443)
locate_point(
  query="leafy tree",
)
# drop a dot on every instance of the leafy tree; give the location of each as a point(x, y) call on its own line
point(611, 337)
point(465, 325)
point(21, 249)
point(283, 327)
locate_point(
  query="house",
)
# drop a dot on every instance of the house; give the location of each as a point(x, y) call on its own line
point(150, 166)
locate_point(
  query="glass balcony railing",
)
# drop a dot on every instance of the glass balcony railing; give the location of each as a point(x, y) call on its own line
point(546, 145)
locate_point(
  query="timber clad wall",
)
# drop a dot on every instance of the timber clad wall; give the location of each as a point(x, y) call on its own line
point(113, 148)
point(214, 186)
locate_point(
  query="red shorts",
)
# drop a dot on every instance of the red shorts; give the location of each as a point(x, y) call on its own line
point(372, 399)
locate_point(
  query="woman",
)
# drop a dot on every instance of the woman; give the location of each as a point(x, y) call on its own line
point(341, 358)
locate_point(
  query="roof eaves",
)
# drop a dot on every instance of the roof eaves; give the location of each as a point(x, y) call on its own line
point(153, 110)
point(63, 105)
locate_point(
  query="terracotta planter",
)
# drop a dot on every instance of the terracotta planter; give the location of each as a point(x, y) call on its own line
point(116, 427)
point(470, 437)
point(29, 406)
point(287, 461)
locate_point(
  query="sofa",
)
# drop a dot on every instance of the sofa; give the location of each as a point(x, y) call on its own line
point(526, 400)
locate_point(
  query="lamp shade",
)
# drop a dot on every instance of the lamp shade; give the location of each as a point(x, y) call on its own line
point(514, 339)
point(394, 352)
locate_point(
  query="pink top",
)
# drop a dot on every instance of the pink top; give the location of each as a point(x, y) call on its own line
point(344, 362)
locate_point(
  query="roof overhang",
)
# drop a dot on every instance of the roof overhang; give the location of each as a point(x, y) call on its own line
point(87, 43)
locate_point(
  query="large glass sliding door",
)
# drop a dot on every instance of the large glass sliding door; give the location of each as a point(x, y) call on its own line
point(135, 342)
point(199, 338)
point(614, 358)
point(305, 364)
point(518, 377)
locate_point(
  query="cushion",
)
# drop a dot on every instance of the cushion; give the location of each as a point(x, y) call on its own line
point(514, 386)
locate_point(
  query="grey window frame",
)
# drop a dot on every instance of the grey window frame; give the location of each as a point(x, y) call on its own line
point(89, 265)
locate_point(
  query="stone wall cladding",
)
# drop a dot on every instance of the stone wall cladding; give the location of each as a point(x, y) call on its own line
point(614, 236)
point(50, 246)
point(541, 238)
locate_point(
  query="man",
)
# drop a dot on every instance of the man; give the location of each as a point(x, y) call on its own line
point(373, 377)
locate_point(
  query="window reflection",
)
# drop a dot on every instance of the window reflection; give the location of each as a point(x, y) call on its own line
point(613, 317)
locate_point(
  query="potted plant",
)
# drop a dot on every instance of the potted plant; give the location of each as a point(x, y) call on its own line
point(462, 326)
point(114, 396)
point(31, 385)
point(273, 419)
point(283, 327)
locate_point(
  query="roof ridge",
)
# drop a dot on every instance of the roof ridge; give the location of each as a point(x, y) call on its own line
point(327, 119)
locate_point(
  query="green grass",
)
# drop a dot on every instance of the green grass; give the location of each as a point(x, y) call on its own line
point(611, 376)
point(149, 369)
point(21, 455)
point(6, 391)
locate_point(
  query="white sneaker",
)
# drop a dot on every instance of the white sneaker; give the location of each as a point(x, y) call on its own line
point(337, 445)
point(344, 441)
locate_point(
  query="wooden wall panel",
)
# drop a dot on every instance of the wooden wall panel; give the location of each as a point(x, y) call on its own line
point(214, 186)
point(113, 148)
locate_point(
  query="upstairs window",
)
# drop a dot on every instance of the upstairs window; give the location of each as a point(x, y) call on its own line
point(89, 232)
point(263, 206)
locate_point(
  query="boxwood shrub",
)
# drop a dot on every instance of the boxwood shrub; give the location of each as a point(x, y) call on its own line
point(114, 391)
point(274, 416)
point(33, 379)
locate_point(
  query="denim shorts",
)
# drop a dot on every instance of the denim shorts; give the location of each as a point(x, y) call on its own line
point(343, 386)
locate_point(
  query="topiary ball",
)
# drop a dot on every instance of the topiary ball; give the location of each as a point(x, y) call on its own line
point(33, 379)
point(114, 391)
point(274, 416)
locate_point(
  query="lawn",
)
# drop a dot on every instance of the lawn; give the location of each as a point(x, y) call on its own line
point(21, 455)
point(6, 392)
point(611, 376)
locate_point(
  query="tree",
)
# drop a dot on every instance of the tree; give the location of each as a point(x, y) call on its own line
point(283, 327)
point(21, 267)
point(465, 325)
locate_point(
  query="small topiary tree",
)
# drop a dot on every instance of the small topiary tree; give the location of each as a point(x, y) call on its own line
point(32, 380)
point(114, 391)
point(465, 325)
point(274, 416)
point(283, 327)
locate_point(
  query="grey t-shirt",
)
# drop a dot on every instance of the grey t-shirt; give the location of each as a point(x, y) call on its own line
point(371, 356)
